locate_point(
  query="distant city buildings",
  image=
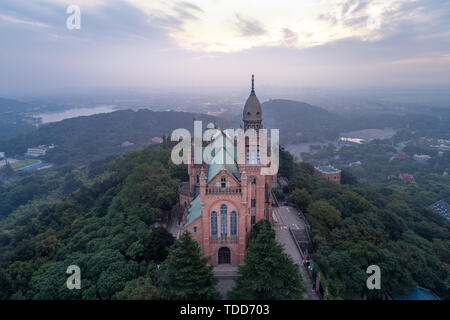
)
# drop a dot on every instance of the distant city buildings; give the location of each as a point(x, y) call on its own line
point(421, 157)
point(352, 140)
point(2, 155)
point(400, 156)
point(328, 172)
point(355, 164)
point(442, 207)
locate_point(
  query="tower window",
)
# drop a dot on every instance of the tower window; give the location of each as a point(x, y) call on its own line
point(195, 229)
point(253, 220)
point(197, 177)
point(253, 203)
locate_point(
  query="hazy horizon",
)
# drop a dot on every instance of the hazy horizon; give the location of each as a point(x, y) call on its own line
point(208, 45)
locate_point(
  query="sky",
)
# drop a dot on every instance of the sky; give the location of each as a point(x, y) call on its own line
point(171, 44)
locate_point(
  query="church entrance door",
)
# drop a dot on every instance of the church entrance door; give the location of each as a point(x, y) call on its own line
point(224, 255)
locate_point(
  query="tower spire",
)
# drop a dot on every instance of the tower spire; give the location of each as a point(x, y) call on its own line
point(253, 83)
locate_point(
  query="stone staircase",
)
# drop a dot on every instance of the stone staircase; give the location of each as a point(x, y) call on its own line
point(225, 272)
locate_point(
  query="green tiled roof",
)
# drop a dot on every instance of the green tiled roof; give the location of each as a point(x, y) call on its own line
point(213, 170)
point(328, 169)
point(223, 160)
point(195, 210)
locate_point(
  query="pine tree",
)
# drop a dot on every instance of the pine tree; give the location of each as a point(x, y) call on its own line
point(185, 273)
point(268, 273)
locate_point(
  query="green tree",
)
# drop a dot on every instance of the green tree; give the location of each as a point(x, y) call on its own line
point(347, 178)
point(268, 273)
point(157, 243)
point(301, 198)
point(344, 278)
point(185, 274)
point(323, 216)
point(138, 289)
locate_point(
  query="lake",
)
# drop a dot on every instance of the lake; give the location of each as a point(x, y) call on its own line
point(297, 149)
point(73, 113)
point(369, 134)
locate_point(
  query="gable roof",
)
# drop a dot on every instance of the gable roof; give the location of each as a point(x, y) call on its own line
point(195, 211)
point(224, 159)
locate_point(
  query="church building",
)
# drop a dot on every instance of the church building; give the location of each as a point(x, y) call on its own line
point(222, 202)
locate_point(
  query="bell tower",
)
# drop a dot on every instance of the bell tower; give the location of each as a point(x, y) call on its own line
point(252, 114)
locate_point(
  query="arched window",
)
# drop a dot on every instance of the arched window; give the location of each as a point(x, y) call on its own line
point(214, 223)
point(223, 220)
point(233, 223)
point(223, 181)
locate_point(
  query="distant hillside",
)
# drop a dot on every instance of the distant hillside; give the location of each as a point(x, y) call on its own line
point(12, 119)
point(299, 121)
point(85, 139)
point(9, 105)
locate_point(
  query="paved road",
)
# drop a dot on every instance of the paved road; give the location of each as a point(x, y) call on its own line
point(285, 218)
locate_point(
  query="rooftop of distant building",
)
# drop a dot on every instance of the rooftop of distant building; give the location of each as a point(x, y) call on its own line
point(328, 169)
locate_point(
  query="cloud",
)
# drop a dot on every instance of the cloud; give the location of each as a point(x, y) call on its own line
point(214, 26)
point(20, 21)
point(289, 37)
point(249, 27)
point(190, 5)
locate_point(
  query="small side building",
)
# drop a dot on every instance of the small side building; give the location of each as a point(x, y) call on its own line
point(127, 144)
point(36, 151)
point(328, 172)
point(442, 207)
point(406, 177)
point(157, 140)
point(421, 157)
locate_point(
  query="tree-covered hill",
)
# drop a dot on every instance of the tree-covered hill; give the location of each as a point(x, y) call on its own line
point(302, 122)
point(102, 228)
point(13, 120)
point(88, 138)
point(299, 121)
point(14, 106)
